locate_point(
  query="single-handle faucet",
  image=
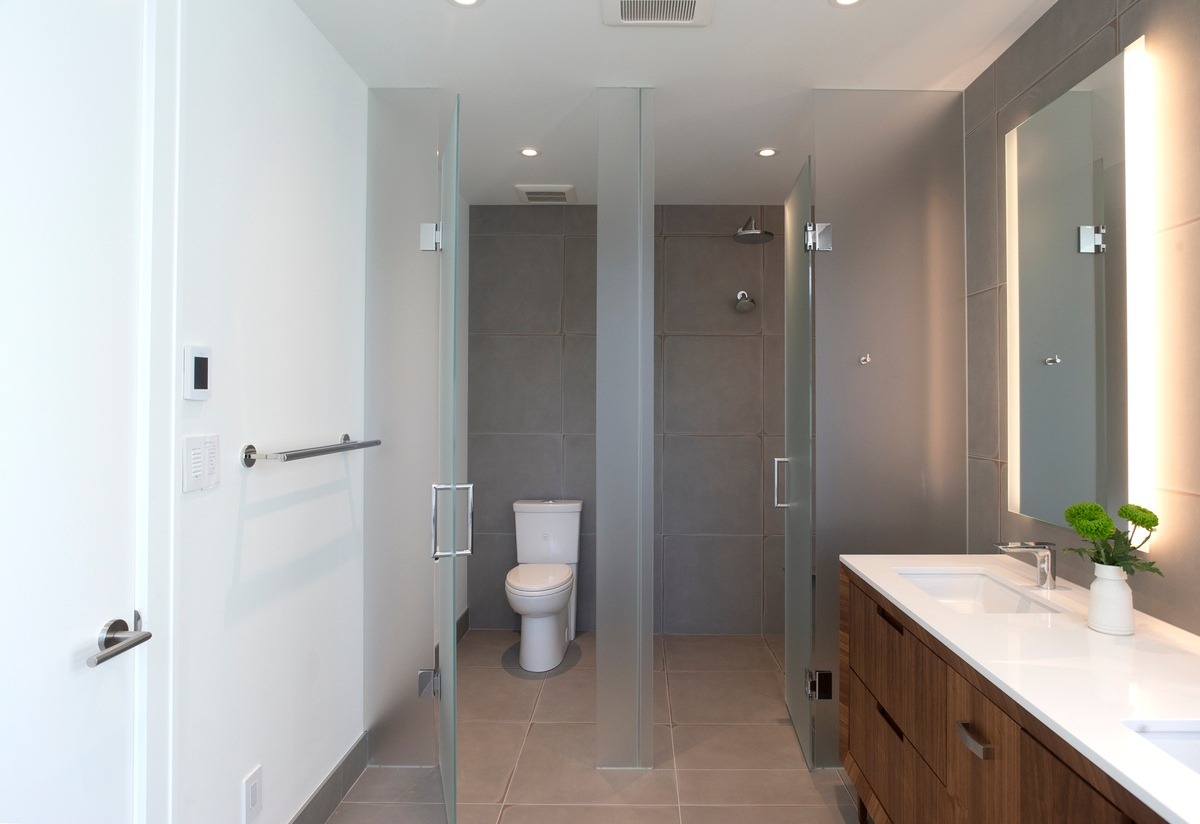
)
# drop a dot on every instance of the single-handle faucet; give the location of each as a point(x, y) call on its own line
point(1047, 566)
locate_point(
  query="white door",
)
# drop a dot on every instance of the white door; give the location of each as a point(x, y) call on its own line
point(71, 144)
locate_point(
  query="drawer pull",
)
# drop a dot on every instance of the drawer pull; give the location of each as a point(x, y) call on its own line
point(884, 714)
point(892, 622)
point(973, 742)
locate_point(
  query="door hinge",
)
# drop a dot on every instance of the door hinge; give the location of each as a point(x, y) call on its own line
point(818, 237)
point(1091, 240)
point(429, 681)
point(820, 685)
point(431, 237)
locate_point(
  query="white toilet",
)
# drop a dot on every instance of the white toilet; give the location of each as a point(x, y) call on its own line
point(541, 587)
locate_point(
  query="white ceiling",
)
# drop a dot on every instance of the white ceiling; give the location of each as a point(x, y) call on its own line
point(527, 71)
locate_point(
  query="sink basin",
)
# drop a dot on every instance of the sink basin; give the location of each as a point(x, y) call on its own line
point(973, 592)
point(1178, 739)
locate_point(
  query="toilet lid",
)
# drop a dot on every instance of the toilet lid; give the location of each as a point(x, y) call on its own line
point(538, 577)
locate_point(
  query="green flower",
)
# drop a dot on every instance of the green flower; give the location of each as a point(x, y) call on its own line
point(1090, 521)
point(1139, 516)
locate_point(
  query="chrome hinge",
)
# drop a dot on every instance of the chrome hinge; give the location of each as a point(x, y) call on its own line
point(820, 685)
point(818, 237)
point(1091, 240)
point(431, 237)
point(429, 683)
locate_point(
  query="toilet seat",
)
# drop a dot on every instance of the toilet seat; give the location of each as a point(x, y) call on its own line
point(538, 579)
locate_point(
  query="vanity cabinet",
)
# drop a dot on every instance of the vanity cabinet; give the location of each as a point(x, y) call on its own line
point(925, 738)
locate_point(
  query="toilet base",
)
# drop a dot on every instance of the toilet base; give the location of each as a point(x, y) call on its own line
point(543, 641)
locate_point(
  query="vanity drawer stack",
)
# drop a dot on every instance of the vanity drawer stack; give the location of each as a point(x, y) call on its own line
point(925, 738)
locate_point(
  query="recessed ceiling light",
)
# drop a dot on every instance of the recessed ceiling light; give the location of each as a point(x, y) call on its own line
point(529, 152)
point(468, 2)
point(766, 152)
point(843, 2)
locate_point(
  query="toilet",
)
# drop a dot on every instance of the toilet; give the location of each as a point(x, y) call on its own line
point(541, 587)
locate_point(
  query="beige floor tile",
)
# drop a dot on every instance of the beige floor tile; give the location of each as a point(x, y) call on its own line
point(581, 653)
point(478, 813)
point(488, 648)
point(775, 644)
point(727, 698)
point(768, 815)
point(580, 814)
point(388, 814)
point(397, 784)
point(736, 747)
point(662, 701)
point(822, 787)
point(493, 694)
point(487, 755)
point(659, 664)
point(558, 766)
point(568, 697)
point(742, 653)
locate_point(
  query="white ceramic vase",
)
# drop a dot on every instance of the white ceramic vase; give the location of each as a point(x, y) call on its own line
point(1111, 607)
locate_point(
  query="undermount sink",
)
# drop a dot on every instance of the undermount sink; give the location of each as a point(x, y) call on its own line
point(973, 592)
point(1178, 739)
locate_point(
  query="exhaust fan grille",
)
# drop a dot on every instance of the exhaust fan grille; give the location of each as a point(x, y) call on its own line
point(530, 193)
point(657, 12)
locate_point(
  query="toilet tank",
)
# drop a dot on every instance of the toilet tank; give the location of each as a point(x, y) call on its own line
point(547, 531)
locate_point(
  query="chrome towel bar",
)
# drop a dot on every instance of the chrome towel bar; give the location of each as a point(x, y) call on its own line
point(250, 455)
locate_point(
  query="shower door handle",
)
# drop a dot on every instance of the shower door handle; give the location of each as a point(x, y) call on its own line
point(433, 512)
point(778, 505)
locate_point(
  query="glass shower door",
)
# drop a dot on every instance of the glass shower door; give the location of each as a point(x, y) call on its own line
point(451, 520)
point(798, 520)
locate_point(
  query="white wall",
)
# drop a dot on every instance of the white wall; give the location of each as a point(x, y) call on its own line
point(268, 568)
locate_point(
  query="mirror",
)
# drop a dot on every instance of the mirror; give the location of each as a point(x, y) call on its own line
point(1065, 178)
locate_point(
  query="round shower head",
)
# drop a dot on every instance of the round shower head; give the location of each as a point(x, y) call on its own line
point(743, 302)
point(752, 234)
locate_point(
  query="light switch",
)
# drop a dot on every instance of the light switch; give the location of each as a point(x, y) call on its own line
point(201, 462)
point(196, 378)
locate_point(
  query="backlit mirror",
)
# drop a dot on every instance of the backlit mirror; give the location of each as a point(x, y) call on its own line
point(1066, 179)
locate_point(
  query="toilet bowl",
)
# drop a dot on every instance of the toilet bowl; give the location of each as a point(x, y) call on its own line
point(540, 594)
point(542, 587)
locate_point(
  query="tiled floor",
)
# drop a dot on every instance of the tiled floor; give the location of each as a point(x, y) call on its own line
point(724, 746)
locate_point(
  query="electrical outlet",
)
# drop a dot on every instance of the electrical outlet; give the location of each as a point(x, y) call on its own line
point(252, 788)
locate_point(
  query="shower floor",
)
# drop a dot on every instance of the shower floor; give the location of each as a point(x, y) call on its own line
point(724, 746)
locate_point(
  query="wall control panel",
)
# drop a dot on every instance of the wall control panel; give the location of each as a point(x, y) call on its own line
point(196, 373)
point(201, 462)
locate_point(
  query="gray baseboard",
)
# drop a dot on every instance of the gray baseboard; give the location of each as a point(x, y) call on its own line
point(333, 789)
point(464, 624)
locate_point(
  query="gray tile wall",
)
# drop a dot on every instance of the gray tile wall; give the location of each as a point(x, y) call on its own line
point(1069, 42)
point(718, 406)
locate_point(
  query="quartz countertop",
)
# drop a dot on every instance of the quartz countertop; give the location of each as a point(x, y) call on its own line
point(1080, 683)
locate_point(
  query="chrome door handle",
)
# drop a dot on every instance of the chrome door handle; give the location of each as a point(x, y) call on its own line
point(433, 506)
point(970, 739)
point(778, 505)
point(115, 638)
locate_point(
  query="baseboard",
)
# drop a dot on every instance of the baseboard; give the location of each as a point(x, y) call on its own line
point(333, 789)
point(464, 624)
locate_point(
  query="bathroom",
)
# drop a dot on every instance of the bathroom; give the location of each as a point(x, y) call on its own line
point(247, 561)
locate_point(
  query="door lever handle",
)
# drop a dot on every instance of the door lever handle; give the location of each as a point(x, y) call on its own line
point(116, 637)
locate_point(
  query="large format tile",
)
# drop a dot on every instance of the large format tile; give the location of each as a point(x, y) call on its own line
point(585, 580)
point(692, 653)
point(983, 379)
point(487, 756)
point(421, 785)
point(727, 698)
point(769, 815)
point(775, 642)
point(579, 285)
point(736, 747)
point(774, 385)
point(773, 516)
point(766, 787)
point(722, 221)
point(579, 220)
point(983, 505)
point(773, 585)
point(583, 814)
point(558, 766)
point(492, 694)
point(507, 468)
point(518, 220)
point(702, 277)
point(712, 583)
point(479, 813)
point(579, 477)
point(712, 486)
point(982, 181)
point(488, 648)
point(713, 384)
point(516, 284)
point(568, 698)
point(517, 383)
point(579, 384)
point(771, 303)
point(494, 555)
point(389, 814)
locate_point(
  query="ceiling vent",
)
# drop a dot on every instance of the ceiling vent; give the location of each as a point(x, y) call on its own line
point(530, 193)
point(657, 12)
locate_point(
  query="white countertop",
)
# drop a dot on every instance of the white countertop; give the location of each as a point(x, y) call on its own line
point(1078, 682)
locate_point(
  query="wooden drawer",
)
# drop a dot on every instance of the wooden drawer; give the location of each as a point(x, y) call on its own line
point(983, 757)
point(1051, 792)
point(904, 675)
point(900, 779)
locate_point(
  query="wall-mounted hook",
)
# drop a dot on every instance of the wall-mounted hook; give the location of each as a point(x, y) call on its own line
point(865, 359)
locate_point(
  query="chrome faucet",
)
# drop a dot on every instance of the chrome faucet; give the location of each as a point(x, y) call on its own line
point(1047, 566)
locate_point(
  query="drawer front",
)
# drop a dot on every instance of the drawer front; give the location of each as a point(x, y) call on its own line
point(983, 757)
point(901, 780)
point(1051, 792)
point(906, 677)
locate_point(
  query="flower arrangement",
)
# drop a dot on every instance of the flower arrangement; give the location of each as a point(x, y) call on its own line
point(1111, 546)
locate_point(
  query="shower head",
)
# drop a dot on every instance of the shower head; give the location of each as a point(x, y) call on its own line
point(752, 234)
point(743, 302)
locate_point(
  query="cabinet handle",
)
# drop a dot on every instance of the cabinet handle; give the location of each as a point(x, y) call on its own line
point(973, 742)
point(884, 714)
point(892, 622)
